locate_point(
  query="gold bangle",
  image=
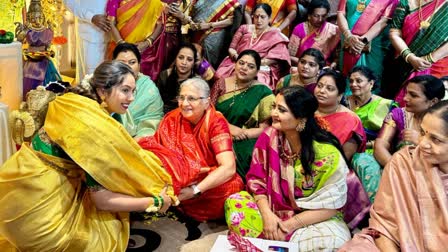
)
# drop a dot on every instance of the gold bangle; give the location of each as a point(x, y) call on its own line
point(149, 41)
point(431, 59)
point(407, 57)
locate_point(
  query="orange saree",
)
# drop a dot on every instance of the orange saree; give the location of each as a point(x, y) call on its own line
point(198, 146)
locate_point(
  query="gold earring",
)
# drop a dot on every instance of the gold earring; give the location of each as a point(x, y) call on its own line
point(301, 125)
point(103, 102)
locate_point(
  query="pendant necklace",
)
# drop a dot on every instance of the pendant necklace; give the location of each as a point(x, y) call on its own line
point(361, 6)
point(243, 93)
point(311, 29)
point(424, 24)
point(254, 35)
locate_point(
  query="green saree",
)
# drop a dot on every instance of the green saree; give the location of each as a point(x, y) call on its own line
point(246, 108)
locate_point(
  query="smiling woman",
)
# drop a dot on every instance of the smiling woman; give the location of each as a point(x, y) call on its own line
point(412, 226)
point(246, 104)
point(83, 173)
point(170, 79)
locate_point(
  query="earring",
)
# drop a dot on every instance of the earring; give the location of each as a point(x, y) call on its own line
point(301, 125)
point(103, 102)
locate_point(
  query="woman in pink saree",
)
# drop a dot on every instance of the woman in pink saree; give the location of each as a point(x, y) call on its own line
point(269, 42)
point(412, 216)
point(315, 33)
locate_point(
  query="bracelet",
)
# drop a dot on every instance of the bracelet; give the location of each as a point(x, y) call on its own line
point(402, 51)
point(405, 53)
point(121, 41)
point(407, 56)
point(297, 218)
point(430, 58)
point(149, 41)
point(156, 206)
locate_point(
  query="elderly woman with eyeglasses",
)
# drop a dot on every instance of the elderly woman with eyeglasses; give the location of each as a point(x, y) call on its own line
point(201, 136)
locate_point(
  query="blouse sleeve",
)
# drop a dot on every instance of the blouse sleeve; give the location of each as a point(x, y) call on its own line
point(220, 137)
point(399, 15)
point(218, 89)
point(342, 6)
point(237, 36)
point(291, 5)
point(389, 129)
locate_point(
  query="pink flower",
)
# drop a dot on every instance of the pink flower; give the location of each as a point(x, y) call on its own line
point(242, 232)
point(252, 205)
point(236, 196)
point(238, 205)
point(236, 218)
point(318, 163)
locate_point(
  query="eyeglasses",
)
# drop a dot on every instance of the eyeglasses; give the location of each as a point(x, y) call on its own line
point(190, 99)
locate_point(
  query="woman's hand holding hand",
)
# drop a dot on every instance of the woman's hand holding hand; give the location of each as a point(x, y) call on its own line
point(418, 63)
point(271, 226)
point(166, 200)
point(282, 230)
point(186, 193)
point(410, 135)
point(239, 134)
point(355, 44)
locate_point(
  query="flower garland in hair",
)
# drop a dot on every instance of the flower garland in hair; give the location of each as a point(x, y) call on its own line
point(85, 83)
point(322, 123)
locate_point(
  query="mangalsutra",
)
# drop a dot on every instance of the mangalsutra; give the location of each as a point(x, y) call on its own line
point(424, 24)
point(317, 38)
point(243, 93)
point(254, 35)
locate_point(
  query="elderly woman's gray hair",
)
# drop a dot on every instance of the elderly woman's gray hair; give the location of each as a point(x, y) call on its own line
point(199, 84)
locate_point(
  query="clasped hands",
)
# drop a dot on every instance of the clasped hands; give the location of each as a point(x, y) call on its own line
point(274, 228)
point(355, 44)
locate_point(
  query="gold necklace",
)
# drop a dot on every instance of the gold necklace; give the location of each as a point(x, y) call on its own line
point(361, 6)
point(293, 157)
point(424, 24)
point(254, 35)
point(314, 30)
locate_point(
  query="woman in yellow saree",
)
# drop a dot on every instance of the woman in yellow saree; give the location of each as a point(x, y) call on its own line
point(46, 205)
point(139, 22)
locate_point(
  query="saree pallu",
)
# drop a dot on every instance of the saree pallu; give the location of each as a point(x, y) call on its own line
point(344, 126)
point(414, 215)
point(366, 166)
point(198, 146)
point(146, 110)
point(325, 40)
point(372, 115)
point(359, 23)
point(288, 191)
point(246, 109)
point(213, 40)
point(271, 45)
point(280, 10)
point(49, 209)
point(420, 42)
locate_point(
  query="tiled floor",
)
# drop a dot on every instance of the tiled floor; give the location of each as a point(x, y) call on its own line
point(173, 233)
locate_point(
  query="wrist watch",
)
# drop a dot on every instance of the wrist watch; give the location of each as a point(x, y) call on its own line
point(196, 190)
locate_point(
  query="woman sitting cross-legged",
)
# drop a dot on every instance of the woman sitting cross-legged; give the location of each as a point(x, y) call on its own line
point(246, 104)
point(73, 188)
point(297, 179)
point(200, 136)
point(347, 127)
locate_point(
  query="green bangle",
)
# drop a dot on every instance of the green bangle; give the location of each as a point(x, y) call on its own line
point(156, 201)
point(161, 201)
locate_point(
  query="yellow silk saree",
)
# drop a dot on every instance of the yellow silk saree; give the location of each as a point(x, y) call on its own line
point(45, 204)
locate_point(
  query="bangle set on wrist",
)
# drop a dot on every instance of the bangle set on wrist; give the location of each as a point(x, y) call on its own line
point(156, 206)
